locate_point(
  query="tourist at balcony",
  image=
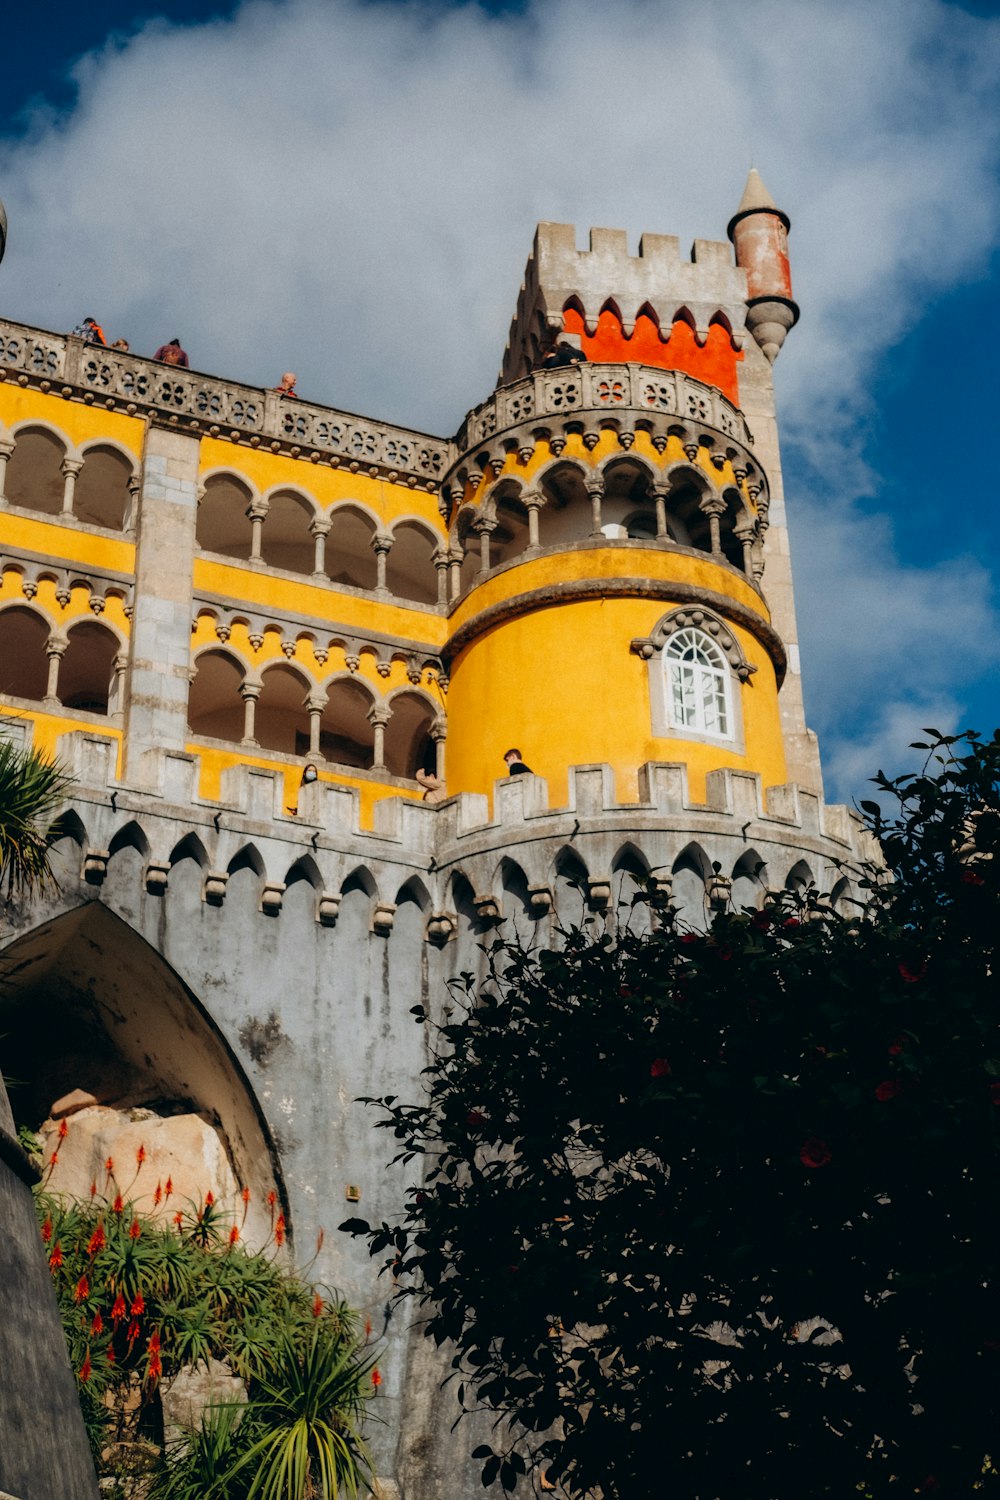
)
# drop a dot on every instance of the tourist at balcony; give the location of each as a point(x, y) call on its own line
point(121, 345)
point(172, 354)
point(515, 765)
point(561, 354)
point(90, 331)
point(286, 386)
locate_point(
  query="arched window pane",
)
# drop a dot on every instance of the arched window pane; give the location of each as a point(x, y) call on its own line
point(698, 684)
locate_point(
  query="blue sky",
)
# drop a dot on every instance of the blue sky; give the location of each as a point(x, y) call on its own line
point(349, 188)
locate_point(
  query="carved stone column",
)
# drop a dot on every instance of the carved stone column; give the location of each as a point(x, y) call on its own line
point(713, 506)
point(6, 449)
point(745, 536)
point(440, 560)
point(257, 514)
point(484, 529)
point(134, 491)
point(55, 650)
point(249, 692)
point(439, 734)
point(118, 689)
point(532, 501)
point(378, 717)
point(69, 468)
point(315, 703)
point(320, 528)
point(660, 492)
point(595, 489)
point(455, 561)
point(381, 546)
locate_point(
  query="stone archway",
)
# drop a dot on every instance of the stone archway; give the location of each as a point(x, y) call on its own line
point(88, 1005)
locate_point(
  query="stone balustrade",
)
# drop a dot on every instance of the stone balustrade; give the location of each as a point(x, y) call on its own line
point(243, 413)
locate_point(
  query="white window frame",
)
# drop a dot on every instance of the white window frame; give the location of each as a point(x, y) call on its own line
point(708, 680)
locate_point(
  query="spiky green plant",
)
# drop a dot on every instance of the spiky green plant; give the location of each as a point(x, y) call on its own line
point(31, 790)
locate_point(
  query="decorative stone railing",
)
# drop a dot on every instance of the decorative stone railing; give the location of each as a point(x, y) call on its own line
point(575, 392)
point(242, 413)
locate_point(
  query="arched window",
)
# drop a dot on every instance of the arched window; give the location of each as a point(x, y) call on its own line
point(286, 541)
point(23, 664)
point(410, 572)
point(215, 706)
point(102, 497)
point(346, 734)
point(34, 478)
point(87, 670)
point(408, 744)
point(223, 525)
point(349, 556)
point(697, 684)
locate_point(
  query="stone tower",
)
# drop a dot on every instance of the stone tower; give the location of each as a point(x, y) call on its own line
point(206, 585)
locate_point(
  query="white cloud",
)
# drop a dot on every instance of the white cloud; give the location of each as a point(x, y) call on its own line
point(350, 190)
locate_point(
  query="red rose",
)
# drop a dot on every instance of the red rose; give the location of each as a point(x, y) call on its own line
point(896, 1045)
point(969, 877)
point(687, 938)
point(624, 992)
point(660, 1068)
point(475, 1118)
point(815, 1153)
point(791, 922)
point(725, 953)
point(912, 969)
point(889, 1088)
point(761, 921)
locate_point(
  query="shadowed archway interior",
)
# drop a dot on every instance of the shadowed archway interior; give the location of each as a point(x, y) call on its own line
point(85, 1002)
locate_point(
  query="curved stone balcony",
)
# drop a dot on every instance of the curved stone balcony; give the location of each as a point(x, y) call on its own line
point(586, 397)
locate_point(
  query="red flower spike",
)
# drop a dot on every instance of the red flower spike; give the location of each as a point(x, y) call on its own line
point(133, 1332)
point(85, 1368)
point(53, 1158)
point(475, 1119)
point(97, 1326)
point(47, 1229)
point(272, 1198)
point(138, 1306)
point(245, 1195)
point(134, 1229)
point(140, 1155)
point(209, 1199)
point(376, 1378)
point(368, 1328)
point(815, 1153)
point(169, 1187)
point(889, 1088)
point(319, 1240)
point(660, 1068)
point(56, 1258)
point(178, 1218)
point(317, 1306)
point(279, 1230)
point(82, 1291)
point(118, 1207)
point(158, 1196)
point(154, 1341)
point(93, 1189)
point(912, 970)
point(97, 1241)
point(63, 1130)
point(234, 1235)
point(155, 1367)
point(109, 1354)
point(109, 1166)
point(118, 1309)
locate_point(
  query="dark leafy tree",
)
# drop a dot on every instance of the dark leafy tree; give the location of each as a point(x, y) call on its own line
point(715, 1215)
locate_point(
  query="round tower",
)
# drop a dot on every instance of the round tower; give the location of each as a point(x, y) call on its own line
point(607, 522)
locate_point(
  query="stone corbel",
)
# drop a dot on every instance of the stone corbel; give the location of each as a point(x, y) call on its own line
point(214, 889)
point(539, 901)
point(487, 909)
point(157, 875)
point(383, 916)
point(718, 890)
point(661, 891)
point(441, 928)
point(271, 896)
point(328, 909)
point(95, 866)
point(598, 892)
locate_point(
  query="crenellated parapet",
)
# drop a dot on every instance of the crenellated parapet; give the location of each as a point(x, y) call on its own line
point(460, 861)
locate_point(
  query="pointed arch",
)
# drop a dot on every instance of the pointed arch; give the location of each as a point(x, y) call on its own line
point(360, 879)
point(190, 847)
point(800, 877)
point(304, 871)
point(129, 836)
point(749, 879)
point(691, 872)
point(413, 891)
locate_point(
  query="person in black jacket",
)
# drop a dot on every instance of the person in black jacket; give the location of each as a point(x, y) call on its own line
point(515, 765)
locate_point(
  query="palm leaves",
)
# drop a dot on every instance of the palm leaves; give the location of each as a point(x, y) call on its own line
point(31, 790)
